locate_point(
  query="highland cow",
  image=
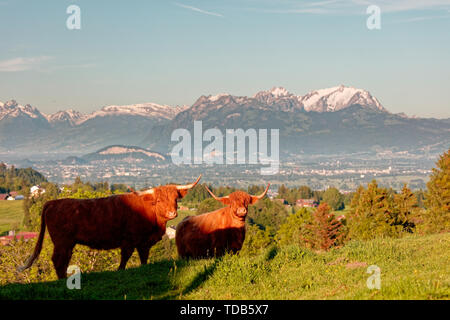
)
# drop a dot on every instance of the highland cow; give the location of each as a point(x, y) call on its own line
point(126, 221)
point(215, 233)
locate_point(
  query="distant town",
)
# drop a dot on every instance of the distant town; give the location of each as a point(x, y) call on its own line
point(345, 172)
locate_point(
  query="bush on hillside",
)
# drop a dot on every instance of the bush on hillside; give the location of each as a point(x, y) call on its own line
point(267, 215)
point(294, 229)
point(256, 240)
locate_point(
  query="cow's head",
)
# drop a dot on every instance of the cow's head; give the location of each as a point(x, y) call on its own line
point(164, 199)
point(239, 201)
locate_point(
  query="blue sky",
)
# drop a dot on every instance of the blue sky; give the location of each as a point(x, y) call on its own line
point(172, 52)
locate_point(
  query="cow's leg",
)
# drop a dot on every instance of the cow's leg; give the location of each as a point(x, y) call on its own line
point(143, 254)
point(125, 252)
point(61, 258)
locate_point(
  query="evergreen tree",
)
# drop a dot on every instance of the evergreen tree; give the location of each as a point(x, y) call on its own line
point(208, 205)
point(405, 207)
point(379, 212)
point(371, 210)
point(356, 196)
point(282, 192)
point(305, 192)
point(325, 230)
point(437, 217)
point(333, 198)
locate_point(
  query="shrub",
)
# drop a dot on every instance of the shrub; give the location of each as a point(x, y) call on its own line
point(293, 230)
point(256, 240)
point(268, 215)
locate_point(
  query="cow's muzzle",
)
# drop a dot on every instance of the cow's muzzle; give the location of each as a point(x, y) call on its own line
point(242, 211)
point(172, 215)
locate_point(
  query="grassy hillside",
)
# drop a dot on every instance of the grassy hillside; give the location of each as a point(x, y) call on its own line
point(415, 267)
point(11, 214)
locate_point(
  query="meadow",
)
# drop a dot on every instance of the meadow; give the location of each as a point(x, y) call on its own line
point(413, 267)
point(11, 215)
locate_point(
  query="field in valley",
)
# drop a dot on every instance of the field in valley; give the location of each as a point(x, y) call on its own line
point(11, 215)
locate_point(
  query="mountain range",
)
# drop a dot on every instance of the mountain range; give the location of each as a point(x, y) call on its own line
point(333, 120)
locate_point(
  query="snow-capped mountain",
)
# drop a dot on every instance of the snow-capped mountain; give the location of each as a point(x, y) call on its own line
point(338, 98)
point(11, 109)
point(338, 119)
point(60, 131)
point(68, 116)
point(323, 100)
point(278, 99)
point(146, 110)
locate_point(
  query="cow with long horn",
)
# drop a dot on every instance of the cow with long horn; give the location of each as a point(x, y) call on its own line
point(214, 233)
point(135, 220)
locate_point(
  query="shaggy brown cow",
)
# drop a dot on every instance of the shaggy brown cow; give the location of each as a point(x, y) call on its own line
point(214, 233)
point(126, 221)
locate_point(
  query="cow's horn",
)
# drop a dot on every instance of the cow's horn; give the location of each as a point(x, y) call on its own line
point(264, 193)
point(148, 191)
point(189, 186)
point(213, 195)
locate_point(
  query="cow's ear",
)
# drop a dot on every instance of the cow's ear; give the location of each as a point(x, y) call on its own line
point(149, 198)
point(225, 201)
point(254, 200)
point(183, 192)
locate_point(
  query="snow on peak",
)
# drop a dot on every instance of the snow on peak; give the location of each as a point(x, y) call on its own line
point(143, 109)
point(274, 93)
point(217, 97)
point(338, 98)
point(149, 110)
point(279, 92)
point(322, 100)
point(12, 109)
point(70, 115)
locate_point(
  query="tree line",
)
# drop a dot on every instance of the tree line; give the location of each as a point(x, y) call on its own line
point(18, 179)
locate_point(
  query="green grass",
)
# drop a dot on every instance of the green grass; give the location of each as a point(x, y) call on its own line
point(414, 267)
point(181, 215)
point(11, 214)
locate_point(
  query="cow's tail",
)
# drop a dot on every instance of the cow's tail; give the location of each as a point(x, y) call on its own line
point(38, 248)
